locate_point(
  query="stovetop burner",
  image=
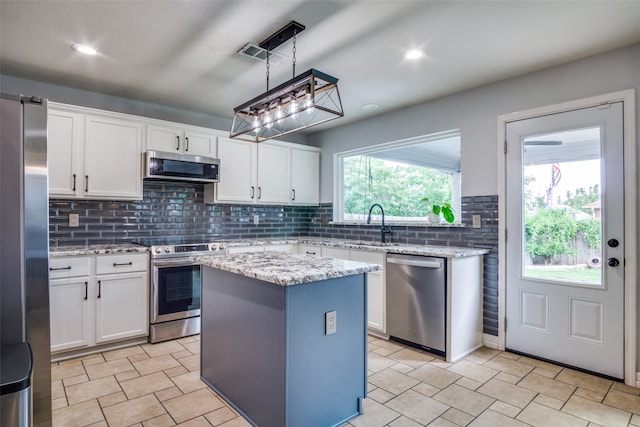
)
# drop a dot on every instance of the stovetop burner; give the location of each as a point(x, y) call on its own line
point(167, 251)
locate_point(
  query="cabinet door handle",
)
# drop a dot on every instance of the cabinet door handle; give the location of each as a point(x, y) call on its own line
point(60, 268)
point(86, 290)
point(253, 192)
point(99, 288)
point(293, 191)
point(259, 193)
point(86, 183)
point(177, 143)
point(186, 139)
point(310, 253)
point(116, 264)
point(74, 182)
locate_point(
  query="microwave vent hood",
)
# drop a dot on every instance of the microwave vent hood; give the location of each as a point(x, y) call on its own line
point(181, 167)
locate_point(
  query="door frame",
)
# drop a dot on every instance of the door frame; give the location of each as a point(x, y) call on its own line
point(628, 97)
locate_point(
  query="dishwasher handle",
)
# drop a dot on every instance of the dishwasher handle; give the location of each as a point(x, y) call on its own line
point(424, 263)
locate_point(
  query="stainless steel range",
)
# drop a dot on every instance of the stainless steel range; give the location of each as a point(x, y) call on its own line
point(175, 289)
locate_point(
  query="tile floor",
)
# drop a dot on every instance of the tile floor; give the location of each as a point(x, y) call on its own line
point(159, 385)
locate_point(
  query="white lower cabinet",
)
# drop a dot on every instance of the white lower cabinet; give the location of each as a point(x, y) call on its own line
point(309, 250)
point(88, 308)
point(120, 306)
point(70, 324)
point(376, 289)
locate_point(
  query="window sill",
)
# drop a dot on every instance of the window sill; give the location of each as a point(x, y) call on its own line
point(442, 224)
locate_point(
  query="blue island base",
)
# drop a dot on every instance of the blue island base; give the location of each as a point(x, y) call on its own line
point(264, 348)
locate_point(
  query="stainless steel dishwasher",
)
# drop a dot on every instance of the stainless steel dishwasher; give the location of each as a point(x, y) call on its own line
point(416, 300)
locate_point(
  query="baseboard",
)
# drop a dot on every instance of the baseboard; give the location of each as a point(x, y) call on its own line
point(490, 341)
point(70, 354)
point(377, 334)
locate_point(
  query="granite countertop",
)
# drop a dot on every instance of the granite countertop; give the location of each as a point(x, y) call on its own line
point(285, 269)
point(397, 248)
point(97, 250)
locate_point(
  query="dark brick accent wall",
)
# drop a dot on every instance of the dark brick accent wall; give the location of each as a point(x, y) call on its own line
point(485, 237)
point(171, 213)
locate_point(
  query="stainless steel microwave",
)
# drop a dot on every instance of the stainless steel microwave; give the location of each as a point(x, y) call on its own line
point(181, 167)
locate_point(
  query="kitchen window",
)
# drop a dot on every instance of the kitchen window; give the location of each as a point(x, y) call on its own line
point(398, 175)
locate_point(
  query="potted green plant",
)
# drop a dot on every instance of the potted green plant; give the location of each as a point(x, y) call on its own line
point(445, 209)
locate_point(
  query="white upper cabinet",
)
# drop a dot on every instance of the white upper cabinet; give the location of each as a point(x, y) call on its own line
point(65, 138)
point(238, 163)
point(250, 173)
point(264, 173)
point(181, 139)
point(305, 176)
point(112, 158)
point(93, 155)
point(273, 167)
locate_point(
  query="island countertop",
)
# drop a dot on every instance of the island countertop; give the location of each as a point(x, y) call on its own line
point(285, 269)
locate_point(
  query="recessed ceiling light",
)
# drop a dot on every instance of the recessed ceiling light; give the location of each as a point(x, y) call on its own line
point(82, 48)
point(370, 107)
point(414, 54)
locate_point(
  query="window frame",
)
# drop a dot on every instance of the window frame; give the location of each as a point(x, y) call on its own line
point(338, 174)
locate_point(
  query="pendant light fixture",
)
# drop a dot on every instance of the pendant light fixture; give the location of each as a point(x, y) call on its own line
point(306, 100)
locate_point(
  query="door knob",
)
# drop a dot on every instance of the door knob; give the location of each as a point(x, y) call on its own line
point(613, 262)
point(613, 243)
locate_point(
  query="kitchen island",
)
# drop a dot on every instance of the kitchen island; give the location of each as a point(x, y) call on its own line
point(284, 336)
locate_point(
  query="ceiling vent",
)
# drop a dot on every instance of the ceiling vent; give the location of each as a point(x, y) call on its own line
point(256, 52)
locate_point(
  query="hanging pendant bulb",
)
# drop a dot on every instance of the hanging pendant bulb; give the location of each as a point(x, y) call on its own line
point(279, 113)
point(268, 120)
point(293, 108)
point(308, 103)
point(256, 123)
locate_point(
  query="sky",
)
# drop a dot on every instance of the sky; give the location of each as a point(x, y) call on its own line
point(574, 175)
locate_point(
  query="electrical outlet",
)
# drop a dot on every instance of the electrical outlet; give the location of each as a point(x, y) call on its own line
point(476, 221)
point(74, 220)
point(256, 219)
point(330, 323)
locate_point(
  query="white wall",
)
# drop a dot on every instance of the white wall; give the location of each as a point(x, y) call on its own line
point(475, 112)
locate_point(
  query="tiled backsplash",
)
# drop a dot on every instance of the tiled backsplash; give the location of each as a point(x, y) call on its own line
point(171, 213)
point(175, 213)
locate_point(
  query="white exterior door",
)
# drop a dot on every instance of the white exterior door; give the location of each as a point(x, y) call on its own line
point(565, 238)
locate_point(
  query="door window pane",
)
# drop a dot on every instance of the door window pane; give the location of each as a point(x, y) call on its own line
point(562, 207)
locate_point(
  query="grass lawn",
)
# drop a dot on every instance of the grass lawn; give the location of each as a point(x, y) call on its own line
point(585, 275)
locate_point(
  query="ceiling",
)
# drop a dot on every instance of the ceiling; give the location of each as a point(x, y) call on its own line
point(183, 54)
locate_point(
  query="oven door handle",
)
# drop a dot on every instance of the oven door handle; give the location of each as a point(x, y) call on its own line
point(173, 262)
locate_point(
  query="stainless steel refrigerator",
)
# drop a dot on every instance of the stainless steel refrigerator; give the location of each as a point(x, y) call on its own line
point(24, 239)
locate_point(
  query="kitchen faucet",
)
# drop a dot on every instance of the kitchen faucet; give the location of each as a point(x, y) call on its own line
point(383, 230)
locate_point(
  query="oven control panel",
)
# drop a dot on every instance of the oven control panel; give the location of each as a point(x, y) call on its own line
point(196, 249)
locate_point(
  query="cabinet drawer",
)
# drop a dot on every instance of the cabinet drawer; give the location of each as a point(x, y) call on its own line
point(335, 253)
point(309, 250)
point(368, 257)
point(121, 263)
point(64, 267)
